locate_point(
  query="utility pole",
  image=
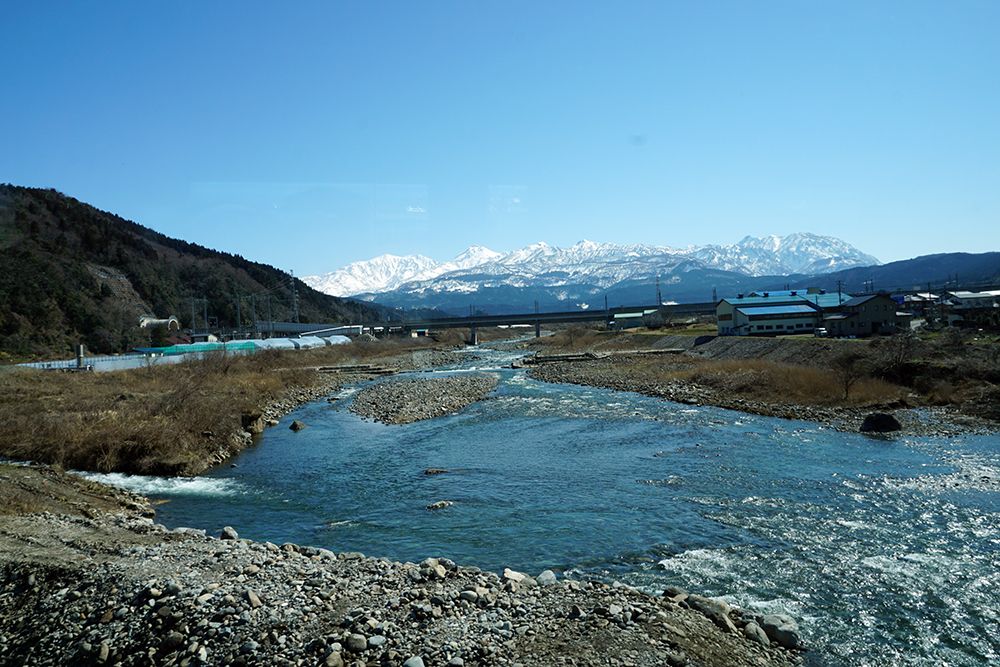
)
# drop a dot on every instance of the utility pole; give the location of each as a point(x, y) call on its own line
point(659, 298)
point(295, 297)
point(715, 295)
point(192, 316)
point(270, 322)
point(204, 304)
point(239, 315)
point(253, 311)
point(840, 292)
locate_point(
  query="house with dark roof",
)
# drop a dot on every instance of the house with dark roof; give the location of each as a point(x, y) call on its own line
point(867, 315)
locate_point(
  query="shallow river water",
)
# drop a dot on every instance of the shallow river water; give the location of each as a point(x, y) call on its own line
point(886, 550)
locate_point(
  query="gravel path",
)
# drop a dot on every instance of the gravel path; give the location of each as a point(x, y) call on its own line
point(410, 400)
point(113, 587)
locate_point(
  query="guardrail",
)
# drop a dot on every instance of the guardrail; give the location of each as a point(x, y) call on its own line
point(87, 361)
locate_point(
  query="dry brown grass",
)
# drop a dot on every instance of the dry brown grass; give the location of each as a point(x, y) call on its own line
point(577, 338)
point(788, 383)
point(162, 419)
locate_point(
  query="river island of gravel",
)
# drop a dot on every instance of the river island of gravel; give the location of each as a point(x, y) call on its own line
point(413, 399)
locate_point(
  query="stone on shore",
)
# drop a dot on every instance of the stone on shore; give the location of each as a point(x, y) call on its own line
point(755, 633)
point(782, 629)
point(229, 533)
point(716, 611)
point(519, 578)
point(880, 422)
point(296, 426)
point(253, 422)
point(356, 643)
point(546, 578)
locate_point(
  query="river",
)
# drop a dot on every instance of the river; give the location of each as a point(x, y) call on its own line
point(887, 550)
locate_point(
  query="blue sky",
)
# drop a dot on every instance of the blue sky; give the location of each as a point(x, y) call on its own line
point(307, 135)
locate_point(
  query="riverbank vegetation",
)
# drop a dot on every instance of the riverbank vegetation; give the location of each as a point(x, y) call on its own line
point(959, 371)
point(171, 419)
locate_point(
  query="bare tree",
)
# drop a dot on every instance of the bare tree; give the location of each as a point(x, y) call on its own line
point(894, 353)
point(849, 368)
point(575, 333)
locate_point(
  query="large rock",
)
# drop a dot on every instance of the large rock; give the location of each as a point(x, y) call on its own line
point(253, 422)
point(782, 629)
point(253, 599)
point(755, 633)
point(716, 611)
point(518, 577)
point(546, 578)
point(440, 505)
point(229, 533)
point(675, 593)
point(356, 643)
point(880, 422)
point(297, 426)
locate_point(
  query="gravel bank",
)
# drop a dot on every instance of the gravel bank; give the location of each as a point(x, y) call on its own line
point(405, 401)
point(617, 373)
point(113, 587)
point(323, 385)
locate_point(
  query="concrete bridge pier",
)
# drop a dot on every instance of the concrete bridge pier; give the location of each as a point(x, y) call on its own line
point(473, 335)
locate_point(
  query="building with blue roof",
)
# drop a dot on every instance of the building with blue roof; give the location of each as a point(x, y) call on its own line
point(774, 313)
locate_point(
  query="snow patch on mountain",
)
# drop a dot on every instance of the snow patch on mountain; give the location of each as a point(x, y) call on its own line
point(590, 263)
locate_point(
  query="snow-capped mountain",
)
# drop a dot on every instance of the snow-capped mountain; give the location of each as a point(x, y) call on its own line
point(473, 256)
point(598, 265)
point(388, 272)
point(380, 274)
point(782, 255)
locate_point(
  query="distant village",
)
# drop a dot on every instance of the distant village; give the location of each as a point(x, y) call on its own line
point(839, 314)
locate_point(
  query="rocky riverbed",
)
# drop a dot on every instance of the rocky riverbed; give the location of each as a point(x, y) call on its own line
point(105, 584)
point(410, 400)
point(618, 373)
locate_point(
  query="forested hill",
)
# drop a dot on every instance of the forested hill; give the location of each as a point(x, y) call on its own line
point(71, 273)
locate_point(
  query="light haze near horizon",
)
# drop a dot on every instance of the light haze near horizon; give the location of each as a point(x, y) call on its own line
point(315, 134)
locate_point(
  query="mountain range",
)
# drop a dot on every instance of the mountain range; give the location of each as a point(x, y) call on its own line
point(582, 274)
